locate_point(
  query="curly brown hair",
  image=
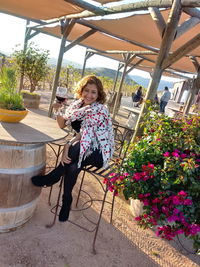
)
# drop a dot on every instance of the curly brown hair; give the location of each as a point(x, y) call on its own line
point(91, 79)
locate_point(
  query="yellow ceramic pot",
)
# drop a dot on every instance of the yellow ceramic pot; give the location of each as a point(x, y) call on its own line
point(7, 115)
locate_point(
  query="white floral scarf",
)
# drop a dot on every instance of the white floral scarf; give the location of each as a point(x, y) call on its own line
point(96, 129)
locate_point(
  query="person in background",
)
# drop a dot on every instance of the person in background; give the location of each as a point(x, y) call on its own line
point(93, 143)
point(164, 99)
point(156, 100)
point(137, 97)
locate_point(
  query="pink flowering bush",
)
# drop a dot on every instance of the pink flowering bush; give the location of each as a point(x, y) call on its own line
point(162, 170)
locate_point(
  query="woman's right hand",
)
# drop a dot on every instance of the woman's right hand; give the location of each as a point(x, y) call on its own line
point(57, 106)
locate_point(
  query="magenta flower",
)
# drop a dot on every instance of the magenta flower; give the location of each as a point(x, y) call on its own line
point(175, 154)
point(140, 196)
point(151, 166)
point(176, 211)
point(182, 193)
point(176, 200)
point(139, 218)
point(166, 154)
point(137, 176)
point(145, 202)
point(183, 156)
point(173, 218)
point(156, 200)
point(187, 202)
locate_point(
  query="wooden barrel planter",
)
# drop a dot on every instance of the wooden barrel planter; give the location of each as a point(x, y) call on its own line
point(31, 100)
point(18, 197)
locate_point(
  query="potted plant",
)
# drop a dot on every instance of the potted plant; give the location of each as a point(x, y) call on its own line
point(31, 100)
point(11, 102)
point(162, 171)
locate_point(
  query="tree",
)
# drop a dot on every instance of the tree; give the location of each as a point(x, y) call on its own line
point(49, 78)
point(32, 63)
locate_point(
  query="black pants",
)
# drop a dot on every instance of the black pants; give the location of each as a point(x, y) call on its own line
point(71, 171)
point(163, 104)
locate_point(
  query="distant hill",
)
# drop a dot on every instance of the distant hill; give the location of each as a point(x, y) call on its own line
point(53, 61)
point(109, 73)
point(145, 81)
point(112, 73)
point(129, 78)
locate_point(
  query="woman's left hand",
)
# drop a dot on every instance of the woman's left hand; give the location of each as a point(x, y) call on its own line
point(65, 158)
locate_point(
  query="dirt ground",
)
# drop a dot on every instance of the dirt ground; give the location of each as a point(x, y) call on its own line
point(121, 244)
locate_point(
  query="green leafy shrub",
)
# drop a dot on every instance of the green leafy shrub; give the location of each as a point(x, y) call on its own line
point(9, 97)
point(162, 170)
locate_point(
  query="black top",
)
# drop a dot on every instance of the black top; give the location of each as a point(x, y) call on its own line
point(76, 125)
point(137, 96)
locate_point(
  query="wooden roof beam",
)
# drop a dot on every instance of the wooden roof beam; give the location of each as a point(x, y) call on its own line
point(67, 26)
point(193, 12)
point(158, 19)
point(134, 65)
point(195, 62)
point(92, 10)
point(181, 51)
point(186, 25)
point(127, 52)
point(87, 6)
point(79, 39)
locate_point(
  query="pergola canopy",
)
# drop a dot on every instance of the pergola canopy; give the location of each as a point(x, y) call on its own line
point(136, 34)
point(42, 9)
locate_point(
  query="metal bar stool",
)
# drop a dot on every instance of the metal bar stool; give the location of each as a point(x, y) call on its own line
point(97, 174)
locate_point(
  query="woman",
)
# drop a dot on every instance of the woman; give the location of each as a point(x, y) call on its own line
point(137, 97)
point(92, 145)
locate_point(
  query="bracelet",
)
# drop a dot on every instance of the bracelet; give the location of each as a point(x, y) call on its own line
point(69, 143)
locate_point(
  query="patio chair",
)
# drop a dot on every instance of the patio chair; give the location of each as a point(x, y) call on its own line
point(122, 135)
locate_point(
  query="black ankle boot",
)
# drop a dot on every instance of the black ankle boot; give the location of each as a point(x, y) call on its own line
point(49, 179)
point(65, 209)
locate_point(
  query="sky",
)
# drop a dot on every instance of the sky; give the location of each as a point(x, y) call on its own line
point(13, 34)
